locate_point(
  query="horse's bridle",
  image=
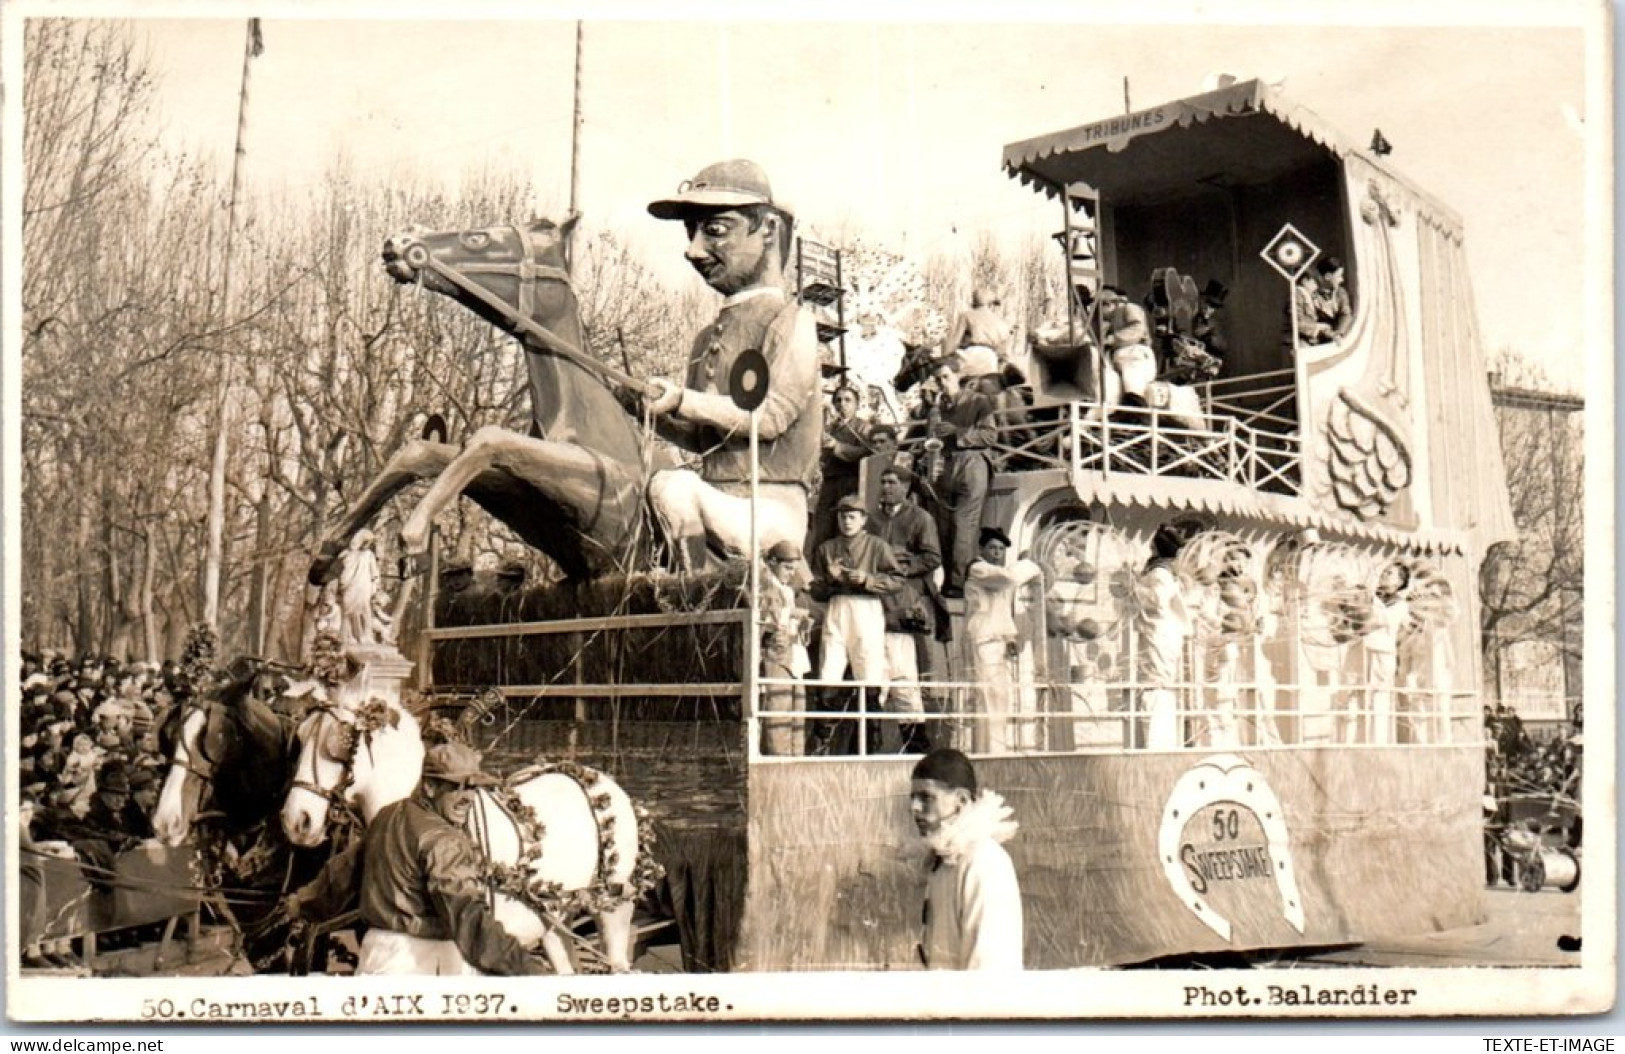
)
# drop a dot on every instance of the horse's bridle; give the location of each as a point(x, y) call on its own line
point(528, 271)
point(197, 763)
point(334, 796)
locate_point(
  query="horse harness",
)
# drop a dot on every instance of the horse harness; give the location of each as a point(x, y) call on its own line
point(350, 729)
point(528, 271)
point(198, 763)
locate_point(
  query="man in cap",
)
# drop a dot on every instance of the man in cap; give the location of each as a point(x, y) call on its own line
point(422, 894)
point(972, 911)
point(739, 241)
point(852, 571)
point(845, 445)
point(1128, 343)
point(965, 425)
point(911, 611)
point(990, 623)
point(786, 626)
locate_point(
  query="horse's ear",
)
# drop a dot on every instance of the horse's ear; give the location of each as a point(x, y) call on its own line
point(567, 230)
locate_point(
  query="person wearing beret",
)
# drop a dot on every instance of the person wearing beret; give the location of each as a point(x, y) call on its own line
point(972, 917)
point(422, 893)
point(739, 240)
point(990, 624)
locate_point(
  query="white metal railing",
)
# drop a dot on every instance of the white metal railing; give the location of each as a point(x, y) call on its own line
point(1047, 718)
point(1213, 445)
point(1031, 712)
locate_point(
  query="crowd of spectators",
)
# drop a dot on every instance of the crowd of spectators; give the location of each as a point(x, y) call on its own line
point(90, 764)
point(1543, 768)
point(1520, 764)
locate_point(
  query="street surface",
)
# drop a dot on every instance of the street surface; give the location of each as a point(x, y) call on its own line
point(1520, 930)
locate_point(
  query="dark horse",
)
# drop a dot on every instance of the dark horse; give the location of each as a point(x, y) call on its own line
point(231, 762)
point(573, 488)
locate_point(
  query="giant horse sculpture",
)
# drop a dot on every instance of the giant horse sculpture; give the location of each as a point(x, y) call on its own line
point(574, 487)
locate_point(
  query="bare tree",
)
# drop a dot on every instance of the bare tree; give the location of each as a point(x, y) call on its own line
point(1533, 588)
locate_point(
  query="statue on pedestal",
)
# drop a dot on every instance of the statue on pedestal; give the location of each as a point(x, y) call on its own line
point(358, 587)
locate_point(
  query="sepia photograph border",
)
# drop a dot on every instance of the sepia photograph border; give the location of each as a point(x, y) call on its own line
point(1475, 986)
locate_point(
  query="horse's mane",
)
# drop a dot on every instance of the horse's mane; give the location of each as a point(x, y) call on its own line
point(251, 788)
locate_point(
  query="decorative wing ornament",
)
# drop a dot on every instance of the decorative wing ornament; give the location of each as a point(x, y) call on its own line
point(1090, 569)
point(1431, 598)
point(1216, 569)
point(1336, 603)
point(1368, 455)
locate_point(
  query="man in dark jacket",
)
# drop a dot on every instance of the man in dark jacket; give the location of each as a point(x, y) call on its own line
point(911, 533)
point(422, 894)
point(966, 427)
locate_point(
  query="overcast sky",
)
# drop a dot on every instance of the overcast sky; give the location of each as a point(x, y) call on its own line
point(896, 128)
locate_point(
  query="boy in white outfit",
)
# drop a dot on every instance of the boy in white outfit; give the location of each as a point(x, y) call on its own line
point(972, 912)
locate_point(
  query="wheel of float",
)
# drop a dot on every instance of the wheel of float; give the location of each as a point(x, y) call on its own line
point(1573, 883)
point(1532, 874)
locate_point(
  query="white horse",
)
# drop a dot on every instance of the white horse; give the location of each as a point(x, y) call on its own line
point(579, 851)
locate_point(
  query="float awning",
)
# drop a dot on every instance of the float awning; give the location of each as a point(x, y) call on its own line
point(1241, 135)
point(1177, 494)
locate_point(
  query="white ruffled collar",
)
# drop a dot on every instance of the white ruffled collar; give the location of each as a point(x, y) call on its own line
point(987, 816)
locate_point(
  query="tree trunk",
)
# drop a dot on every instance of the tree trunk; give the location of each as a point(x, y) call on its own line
point(259, 587)
point(84, 633)
point(149, 561)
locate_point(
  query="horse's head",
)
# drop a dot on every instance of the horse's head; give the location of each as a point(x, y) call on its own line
point(221, 746)
point(495, 272)
point(364, 756)
point(516, 277)
point(918, 361)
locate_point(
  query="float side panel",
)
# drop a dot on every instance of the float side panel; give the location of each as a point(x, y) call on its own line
point(1381, 842)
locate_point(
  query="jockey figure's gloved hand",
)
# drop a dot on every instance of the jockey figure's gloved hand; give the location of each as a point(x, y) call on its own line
point(666, 399)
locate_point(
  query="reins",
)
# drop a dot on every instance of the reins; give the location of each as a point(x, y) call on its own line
point(528, 272)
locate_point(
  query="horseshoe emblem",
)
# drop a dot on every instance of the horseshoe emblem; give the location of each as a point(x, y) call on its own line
point(1226, 779)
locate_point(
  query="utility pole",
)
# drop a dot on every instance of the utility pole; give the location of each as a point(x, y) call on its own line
point(253, 45)
point(575, 139)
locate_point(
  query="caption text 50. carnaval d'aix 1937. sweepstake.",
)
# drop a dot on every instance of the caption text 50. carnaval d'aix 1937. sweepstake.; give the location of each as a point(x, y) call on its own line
point(424, 1006)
